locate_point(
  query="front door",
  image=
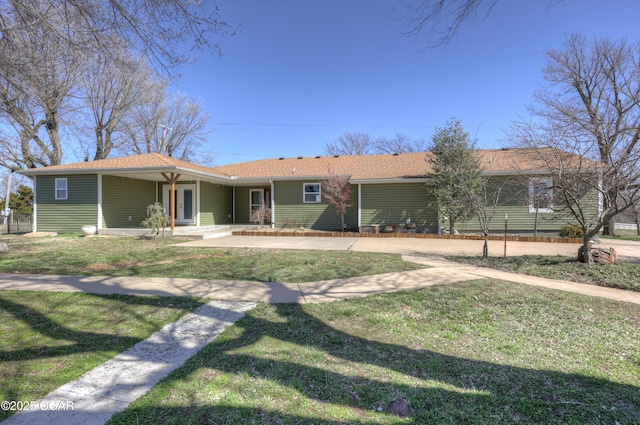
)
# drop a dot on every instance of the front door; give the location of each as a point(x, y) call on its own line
point(258, 197)
point(185, 202)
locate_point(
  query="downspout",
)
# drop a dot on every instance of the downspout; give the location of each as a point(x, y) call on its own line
point(359, 206)
point(273, 204)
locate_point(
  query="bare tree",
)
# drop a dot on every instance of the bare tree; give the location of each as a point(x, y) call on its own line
point(160, 30)
point(38, 75)
point(46, 45)
point(337, 190)
point(485, 202)
point(581, 186)
point(351, 144)
point(111, 88)
point(364, 144)
point(173, 126)
point(261, 215)
point(636, 214)
point(436, 22)
point(593, 91)
point(400, 143)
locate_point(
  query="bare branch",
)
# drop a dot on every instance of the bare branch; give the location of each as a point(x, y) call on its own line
point(436, 22)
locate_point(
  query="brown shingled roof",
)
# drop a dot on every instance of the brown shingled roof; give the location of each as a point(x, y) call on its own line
point(365, 167)
point(138, 162)
point(406, 165)
point(359, 167)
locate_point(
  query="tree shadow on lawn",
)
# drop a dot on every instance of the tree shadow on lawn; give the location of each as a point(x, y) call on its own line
point(372, 374)
point(69, 341)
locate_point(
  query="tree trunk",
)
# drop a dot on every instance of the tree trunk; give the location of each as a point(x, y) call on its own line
point(451, 224)
point(612, 227)
point(609, 227)
point(485, 248)
point(586, 248)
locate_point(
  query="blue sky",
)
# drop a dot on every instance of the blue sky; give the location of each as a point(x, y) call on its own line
point(299, 74)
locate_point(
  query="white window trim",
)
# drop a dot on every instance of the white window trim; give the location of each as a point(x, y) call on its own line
point(549, 181)
point(304, 193)
point(66, 189)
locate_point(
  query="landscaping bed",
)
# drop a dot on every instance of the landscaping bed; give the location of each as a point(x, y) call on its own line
point(397, 233)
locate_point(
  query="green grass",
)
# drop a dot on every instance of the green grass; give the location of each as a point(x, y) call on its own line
point(481, 352)
point(634, 238)
point(48, 339)
point(620, 275)
point(129, 256)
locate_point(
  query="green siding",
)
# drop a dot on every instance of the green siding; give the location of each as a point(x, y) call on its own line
point(242, 203)
point(395, 203)
point(123, 198)
point(67, 216)
point(514, 203)
point(289, 206)
point(216, 204)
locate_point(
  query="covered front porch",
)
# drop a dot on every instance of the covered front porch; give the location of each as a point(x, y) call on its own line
point(192, 204)
point(191, 232)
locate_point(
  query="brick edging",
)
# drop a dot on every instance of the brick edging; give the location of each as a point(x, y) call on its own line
point(407, 235)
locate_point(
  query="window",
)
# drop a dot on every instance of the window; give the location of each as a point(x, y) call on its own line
point(61, 188)
point(541, 195)
point(311, 193)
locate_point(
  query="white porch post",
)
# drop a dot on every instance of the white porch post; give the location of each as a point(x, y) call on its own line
point(273, 205)
point(35, 204)
point(198, 203)
point(99, 225)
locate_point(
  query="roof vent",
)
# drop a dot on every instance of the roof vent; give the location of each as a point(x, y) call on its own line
point(395, 154)
point(299, 157)
point(336, 156)
point(505, 149)
point(318, 156)
point(281, 158)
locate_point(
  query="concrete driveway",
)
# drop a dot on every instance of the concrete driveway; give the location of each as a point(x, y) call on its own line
point(277, 242)
point(627, 250)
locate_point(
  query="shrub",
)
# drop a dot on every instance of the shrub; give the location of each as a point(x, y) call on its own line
point(156, 218)
point(571, 231)
point(260, 215)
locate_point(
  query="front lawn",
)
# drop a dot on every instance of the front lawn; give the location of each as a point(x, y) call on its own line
point(50, 338)
point(620, 275)
point(131, 256)
point(481, 352)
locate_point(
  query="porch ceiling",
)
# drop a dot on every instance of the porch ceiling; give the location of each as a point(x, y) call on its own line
point(156, 176)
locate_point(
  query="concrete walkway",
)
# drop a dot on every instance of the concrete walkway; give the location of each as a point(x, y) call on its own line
point(425, 251)
point(111, 387)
